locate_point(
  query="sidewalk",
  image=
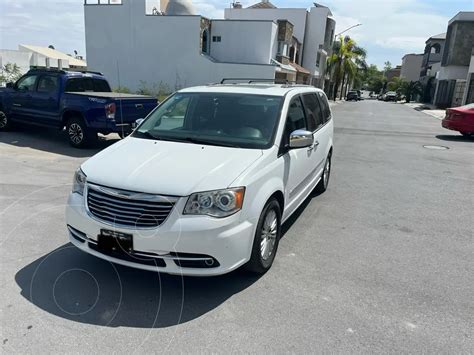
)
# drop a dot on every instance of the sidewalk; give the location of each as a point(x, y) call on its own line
point(427, 109)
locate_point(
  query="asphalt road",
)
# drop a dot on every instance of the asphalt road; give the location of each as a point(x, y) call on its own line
point(382, 262)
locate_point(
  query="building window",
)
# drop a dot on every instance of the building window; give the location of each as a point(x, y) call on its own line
point(216, 38)
point(204, 43)
point(318, 59)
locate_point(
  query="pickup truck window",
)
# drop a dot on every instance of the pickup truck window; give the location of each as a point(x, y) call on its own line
point(27, 83)
point(48, 84)
point(87, 84)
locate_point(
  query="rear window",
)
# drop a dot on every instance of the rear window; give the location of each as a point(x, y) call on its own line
point(323, 100)
point(87, 85)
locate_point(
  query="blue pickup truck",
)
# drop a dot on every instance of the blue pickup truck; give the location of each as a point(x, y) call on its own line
point(81, 102)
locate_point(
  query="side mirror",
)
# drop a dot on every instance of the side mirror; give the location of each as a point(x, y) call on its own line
point(301, 139)
point(10, 85)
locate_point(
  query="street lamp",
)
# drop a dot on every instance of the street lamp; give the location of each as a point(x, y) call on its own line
point(347, 29)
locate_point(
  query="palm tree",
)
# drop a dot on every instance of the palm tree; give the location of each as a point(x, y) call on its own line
point(411, 89)
point(346, 60)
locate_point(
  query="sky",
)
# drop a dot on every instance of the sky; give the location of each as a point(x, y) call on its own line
point(390, 28)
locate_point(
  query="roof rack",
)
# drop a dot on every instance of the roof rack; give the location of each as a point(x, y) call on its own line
point(254, 80)
point(62, 71)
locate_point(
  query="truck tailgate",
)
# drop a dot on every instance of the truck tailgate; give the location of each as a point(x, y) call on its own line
point(128, 110)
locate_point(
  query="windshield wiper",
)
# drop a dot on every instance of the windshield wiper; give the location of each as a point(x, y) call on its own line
point(208, 142)
point(146, 134)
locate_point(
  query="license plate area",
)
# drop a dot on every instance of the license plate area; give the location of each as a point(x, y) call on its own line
point(112, 241)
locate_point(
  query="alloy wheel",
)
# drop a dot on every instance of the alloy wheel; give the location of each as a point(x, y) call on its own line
point(327, 172)
point(75, 133)
point(268, 235)
point(3, 120)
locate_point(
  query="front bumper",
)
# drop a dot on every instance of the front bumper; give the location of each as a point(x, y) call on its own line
point(174, 243)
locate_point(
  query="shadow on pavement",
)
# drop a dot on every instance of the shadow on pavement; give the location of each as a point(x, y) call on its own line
point(455, 138)
point(50, 140)
point(76, 286)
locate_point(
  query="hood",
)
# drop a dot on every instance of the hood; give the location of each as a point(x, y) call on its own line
point(167, 168)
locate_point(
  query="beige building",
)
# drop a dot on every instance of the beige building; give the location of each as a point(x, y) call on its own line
point(411, 67)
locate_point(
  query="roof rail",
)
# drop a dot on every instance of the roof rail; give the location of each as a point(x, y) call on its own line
point(254, 80)
point(63, 71)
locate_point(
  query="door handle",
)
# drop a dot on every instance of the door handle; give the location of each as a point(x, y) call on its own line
point(314, 146)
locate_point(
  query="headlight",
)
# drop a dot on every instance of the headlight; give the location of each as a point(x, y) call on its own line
point(219, 203)
point(79, 182)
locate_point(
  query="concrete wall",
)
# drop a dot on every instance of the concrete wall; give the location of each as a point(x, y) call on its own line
point(314, 38)
point(22, 59)
point(453, 72)
point(296, 16)
point(244, 41)
point(411, 67)
point(130, 47)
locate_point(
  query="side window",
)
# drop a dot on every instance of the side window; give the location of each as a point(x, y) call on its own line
point(313, 111)
point(323, 100)
point(48, 84)
point(27, 83)
point(296, 118)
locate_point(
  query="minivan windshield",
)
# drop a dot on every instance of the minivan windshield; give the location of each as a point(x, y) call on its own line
point(221, 119)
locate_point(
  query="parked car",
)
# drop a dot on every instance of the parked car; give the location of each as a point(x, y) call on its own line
point(80, 101)
point(390, 96)
point(460, 119)
point(204, 183)
point(352, 95)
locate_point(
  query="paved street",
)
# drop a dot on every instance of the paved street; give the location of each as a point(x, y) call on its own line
point(382, 262)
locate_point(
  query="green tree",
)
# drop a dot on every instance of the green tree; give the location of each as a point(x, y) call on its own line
point(395, 84)
point(387, 66)
point(411, 89)
point(10, 72)
point(345, 63)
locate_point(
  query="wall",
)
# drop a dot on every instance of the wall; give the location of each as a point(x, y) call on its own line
point(130, 47)
point(296, 16)
point(243, 41)
point(453, 72)
point(411, 67)
point(22, 59)
point(315, 36)
point(459, 42)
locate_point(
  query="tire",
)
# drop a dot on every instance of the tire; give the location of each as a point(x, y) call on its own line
point(5, 123)
point(78, 134)
point(267, 237)
point(323, 184)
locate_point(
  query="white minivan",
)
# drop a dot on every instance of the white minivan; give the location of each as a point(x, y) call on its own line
point(204, 183)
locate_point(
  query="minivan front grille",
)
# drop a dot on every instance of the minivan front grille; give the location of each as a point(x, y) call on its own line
point(126, 208)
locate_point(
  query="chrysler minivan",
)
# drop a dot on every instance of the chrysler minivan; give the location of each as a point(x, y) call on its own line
point(204, 183)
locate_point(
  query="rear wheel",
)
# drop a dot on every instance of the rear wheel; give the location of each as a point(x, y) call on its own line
point(324, 182)
point(79, 135)
point(267, 237)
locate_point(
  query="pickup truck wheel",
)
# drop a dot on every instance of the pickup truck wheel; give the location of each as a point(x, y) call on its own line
point(79, 135)
point(322, 185)
point(267, 237)
point(5, 123)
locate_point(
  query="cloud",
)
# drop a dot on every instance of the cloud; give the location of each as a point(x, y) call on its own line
point(390, 28)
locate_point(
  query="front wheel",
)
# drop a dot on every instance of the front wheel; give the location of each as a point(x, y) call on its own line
point(324, 182)
point(79, 135)
point(5, 123)
point(267, 237)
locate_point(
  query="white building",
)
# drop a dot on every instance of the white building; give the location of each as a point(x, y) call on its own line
point(28, 56)
point(411, 67)
point(174, 47)
point(313, 30)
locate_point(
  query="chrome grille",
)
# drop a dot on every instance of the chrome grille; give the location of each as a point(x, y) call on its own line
point(126, 208)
